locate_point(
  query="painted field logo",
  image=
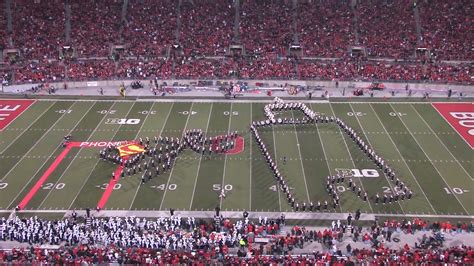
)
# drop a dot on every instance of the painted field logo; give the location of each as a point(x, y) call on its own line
point(357, 172)
point(11, 109)
point(461, 117)
point(123, 121)
point(130, 149)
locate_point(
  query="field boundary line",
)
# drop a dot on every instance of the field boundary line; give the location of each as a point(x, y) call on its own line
point(225, 159)
point(445, 147)
point(238, 215)
point(144, 121)
point(350, 155)
point(368, 140)
point(70, 163)
point(28, 107)
point(436, 168)
point(116, 175)
point(176, 159)
point(251, 160)
point(455, 130)
point(16, 117)
point(200, 160)
point(136, 135)
point(97, 162)
point(42, 165)
point(276, 162)
point(301, 157)
point(404, 161)
point(20, 136)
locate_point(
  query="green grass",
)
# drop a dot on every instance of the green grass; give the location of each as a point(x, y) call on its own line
point(422, 148)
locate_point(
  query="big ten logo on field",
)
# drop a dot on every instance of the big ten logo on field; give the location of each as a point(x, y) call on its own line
point(123, 121)
point(357, 172)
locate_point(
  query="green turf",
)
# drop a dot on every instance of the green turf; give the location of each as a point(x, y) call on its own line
point(431, 158)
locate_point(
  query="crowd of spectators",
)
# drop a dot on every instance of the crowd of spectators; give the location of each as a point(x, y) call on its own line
point(387, 28)
point(95, 28)
point(384, 71)
point(150, 27)
point(206, 27)
point(329, 31)
point(3, 27)
point(265, 27)
point(177, 240)
point(38, 28)
point(447, 28)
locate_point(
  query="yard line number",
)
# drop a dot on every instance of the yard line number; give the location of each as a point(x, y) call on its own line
point(217, 187)
point(455, 190)
point(53, 186)
point(163, 187)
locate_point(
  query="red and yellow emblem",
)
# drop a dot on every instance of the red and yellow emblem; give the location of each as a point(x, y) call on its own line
point(130, 149)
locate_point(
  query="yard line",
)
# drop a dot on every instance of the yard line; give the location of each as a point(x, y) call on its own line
point(225, 160)
point(164, 123)
point(436, 135)
point(250, 163)
point(327, 161)
point(23, 131)
point(70, 163)
point(447, 122)
point(200, 159)
point(92, 170)
point(34, 145)
point(362, 128)
point(37, 171)
point(301, 157)
point(404, 161)
point(429, 159)
point(350, 155)
point(276, 160)
point(174, 162)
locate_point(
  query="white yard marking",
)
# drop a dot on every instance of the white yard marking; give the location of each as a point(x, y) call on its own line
point(366, 137)
point(23, 129)
point(95, 165)
point(250, 164)
point(32, 147)
point(174, 162)
point(442, 143)
point(301, 158)
point(276, 162)
point(403, 159)
point(225, 160)
point(200, 160)
point(70, 163)
point(350, 155)
point(454, 129)
point(37, 171)
point(442, 177)
point(138, 133)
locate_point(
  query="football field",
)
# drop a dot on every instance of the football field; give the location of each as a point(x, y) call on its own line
point(427, 152)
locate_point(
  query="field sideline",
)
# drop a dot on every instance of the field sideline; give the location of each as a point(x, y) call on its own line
point(433, 160)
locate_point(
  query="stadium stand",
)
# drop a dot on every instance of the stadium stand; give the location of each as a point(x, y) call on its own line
point(447, 28)
point(394, 35)
point(187, 240)
point(147, 35)
point(326, 35)
point(205, 29)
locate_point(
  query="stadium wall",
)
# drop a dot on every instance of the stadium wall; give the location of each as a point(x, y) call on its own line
point(267, 84)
